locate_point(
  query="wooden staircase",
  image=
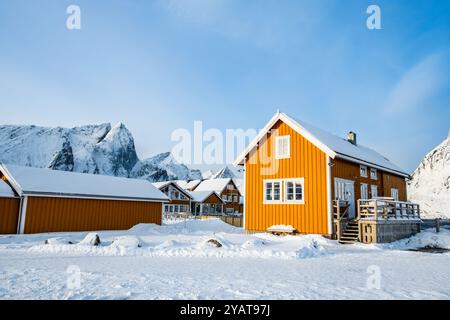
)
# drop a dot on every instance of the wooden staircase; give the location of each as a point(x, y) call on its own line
point(351, 232)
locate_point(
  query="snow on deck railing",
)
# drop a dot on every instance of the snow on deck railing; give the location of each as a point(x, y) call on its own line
point(386, 208)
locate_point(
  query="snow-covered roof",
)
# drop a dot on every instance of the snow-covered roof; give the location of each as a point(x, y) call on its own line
point(188, 185)
point(38, 181)
point(240, 185)
point(163, 184)
point(217, 185)
point(200, 196)
point(5, 190)
point(329, 143)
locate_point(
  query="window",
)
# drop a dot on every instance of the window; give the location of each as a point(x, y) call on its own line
point(373, 173)
point(364, 191)
point(363, 171)
point(230, 198)
point(374, 191)
point(282, 147)
point(394, 193)
point(224, 197)
point(236, 198)
point(230, 186)
point(272, 191)
point(283, 191)
point(293, 191)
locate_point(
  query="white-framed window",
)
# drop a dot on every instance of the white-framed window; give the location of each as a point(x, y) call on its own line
point(394, 193)
point(236, 198)
point(230, 186)
point(282, 147)
point(294, 190)
point(373, 173)
point(364, 191)
point(230, 198)
point(374, 191)
point(272, 191)
point(363, 171)
point(289, 190)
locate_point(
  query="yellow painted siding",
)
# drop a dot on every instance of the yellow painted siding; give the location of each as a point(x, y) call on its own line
point(306, 161)
point(46, 214)
point(9, 215)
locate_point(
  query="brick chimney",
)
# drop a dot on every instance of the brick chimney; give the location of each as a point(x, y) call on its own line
point(351, 137)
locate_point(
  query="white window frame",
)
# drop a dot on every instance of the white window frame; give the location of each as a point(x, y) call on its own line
point(295, 181)
point(373, 187)
point(278, 139)
point(361, 191)
point(373, 173)
point(395, 190)
point(361, 167)
point(266, 181)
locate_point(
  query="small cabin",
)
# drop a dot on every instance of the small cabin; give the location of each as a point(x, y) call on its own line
point(227, 190)
point(299, 175)
point(207, 203)
point(179, 199)
point(35, 200)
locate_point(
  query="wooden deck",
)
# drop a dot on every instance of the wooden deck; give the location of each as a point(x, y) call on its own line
point(378, 220)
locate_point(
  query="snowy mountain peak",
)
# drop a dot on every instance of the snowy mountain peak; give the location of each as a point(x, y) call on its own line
point(225, 172)
point(163, 167)
point(430, 184)
point(207, 174)
point(98, 149)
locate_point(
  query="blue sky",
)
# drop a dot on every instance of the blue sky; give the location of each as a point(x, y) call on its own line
point(160, 65)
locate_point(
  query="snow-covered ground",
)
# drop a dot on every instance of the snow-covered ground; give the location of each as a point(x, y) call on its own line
point(176, 261)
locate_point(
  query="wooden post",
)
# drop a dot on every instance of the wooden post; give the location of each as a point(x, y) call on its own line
point(376, 210)
point(437, 225)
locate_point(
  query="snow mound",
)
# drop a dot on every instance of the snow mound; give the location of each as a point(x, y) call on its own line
point(57, 241)
point(144, 228)
point(281, 227)
point(426, 238)
point(254, 243)
point(310, 248)
point(91, 239)
point(129, 242)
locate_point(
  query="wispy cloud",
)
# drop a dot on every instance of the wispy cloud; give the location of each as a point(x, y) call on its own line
point(418, 85)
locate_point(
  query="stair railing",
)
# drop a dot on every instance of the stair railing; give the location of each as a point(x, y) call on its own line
point(340, 217)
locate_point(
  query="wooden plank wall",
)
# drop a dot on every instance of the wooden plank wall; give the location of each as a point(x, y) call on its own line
point(9, 215)
point(306, 161)
point(46, 214)
point(385, 181)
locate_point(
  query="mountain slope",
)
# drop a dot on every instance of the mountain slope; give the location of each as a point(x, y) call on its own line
point(163, 167)
point(98, 149)
point(225, 172)
point(430, 184)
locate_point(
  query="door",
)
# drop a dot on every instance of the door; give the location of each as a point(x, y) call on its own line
point(345, 190)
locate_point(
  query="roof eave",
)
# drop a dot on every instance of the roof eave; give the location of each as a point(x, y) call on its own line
point(91, 196)
point(370, 164)
point(240, 160)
